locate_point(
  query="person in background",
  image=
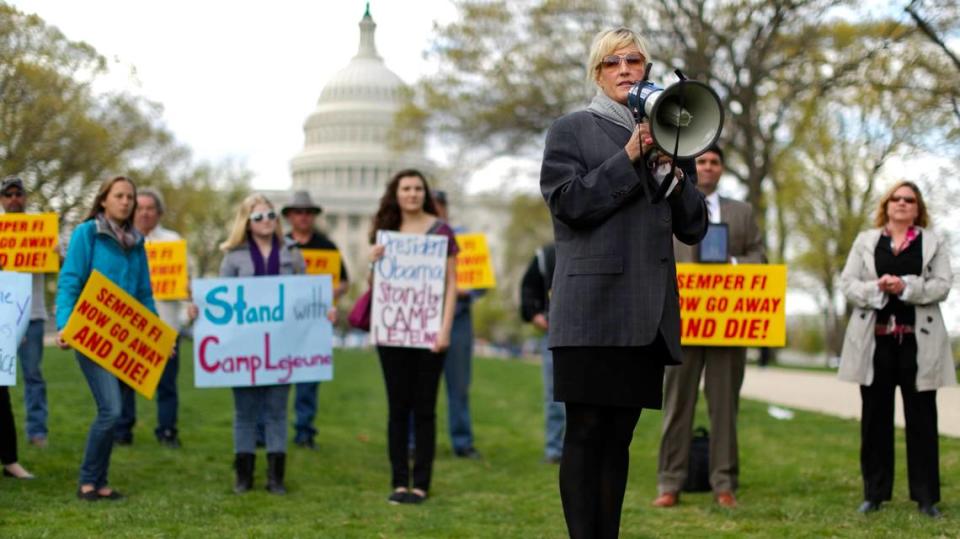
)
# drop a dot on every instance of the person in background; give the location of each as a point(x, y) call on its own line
point(302, 214)
point(896, 277)
point(8, 439)
point(107, 242)
point(721, 367)
point(150, 210)
point(412, 375)
point(458, 365)
point(535, 308)
point(13, 197)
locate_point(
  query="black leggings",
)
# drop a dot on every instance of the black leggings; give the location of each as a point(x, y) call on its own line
point(593, 468)
point(412, 377)
point(8, 429)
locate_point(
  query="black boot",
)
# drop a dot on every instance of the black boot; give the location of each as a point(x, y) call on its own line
point(276, 465)
point(244, 463)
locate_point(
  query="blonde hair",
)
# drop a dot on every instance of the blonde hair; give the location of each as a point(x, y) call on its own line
point(880, 219)
point(241, 223)
point(606, 42)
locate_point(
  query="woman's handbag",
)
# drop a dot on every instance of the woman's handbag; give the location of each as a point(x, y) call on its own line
point(360, 314)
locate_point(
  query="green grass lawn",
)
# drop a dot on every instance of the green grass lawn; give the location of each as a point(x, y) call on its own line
point(799, 478)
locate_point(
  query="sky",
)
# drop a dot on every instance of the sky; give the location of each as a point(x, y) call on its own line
point(238, 78)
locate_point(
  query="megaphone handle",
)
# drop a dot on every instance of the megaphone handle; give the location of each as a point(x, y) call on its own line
point(665, 184)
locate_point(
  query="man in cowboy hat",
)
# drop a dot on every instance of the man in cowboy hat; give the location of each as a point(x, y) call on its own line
point(302, 214)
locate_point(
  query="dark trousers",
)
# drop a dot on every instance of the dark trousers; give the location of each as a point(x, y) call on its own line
point(412, 377)
point(8, 429)
point(895, 363)
point(593, 468)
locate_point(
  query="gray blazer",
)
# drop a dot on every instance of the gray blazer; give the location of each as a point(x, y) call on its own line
point(237, 262)
point(935, 368)
point(615, 281)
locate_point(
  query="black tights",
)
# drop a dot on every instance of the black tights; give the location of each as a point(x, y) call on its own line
point(593, 468)
point(8, 429)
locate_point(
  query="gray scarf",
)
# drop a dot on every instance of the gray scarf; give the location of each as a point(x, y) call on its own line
point(613, 111)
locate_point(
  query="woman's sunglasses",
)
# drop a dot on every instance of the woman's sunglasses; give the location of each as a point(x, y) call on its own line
point(261, 215)
point(612, 60)
point(908, 200)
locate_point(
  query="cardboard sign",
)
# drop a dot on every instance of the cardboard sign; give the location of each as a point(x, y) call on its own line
point(323, 262)
point(257, 331)
point(112, 328)
point(16, 290)
point(408, 285)
point(28, 242)
point(732, 305)
point(168, 269)
point(474, 267)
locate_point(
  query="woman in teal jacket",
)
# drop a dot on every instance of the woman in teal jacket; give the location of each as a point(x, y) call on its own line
point(107, 242)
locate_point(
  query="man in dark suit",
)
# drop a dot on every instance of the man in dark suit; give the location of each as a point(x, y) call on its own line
point(723, 366)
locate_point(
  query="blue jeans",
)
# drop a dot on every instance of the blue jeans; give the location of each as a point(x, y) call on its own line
point(555, 415)
point(106, 393)
point(166, 397)
point(456, 372)
point(253, 403)
point(305, 406)
point(35, 389)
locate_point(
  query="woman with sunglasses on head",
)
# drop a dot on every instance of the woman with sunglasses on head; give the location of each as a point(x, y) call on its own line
point(412, 375)
point(614, 310)
point(896, 276)
point(256, 246)
point(107, 242)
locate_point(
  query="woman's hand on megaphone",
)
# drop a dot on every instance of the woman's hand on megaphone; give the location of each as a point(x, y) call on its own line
point(640, 142)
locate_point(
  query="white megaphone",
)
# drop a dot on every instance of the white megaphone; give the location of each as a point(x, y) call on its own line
point(685, 118)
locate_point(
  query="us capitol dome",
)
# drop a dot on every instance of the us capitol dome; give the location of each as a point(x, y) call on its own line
point(347, 160)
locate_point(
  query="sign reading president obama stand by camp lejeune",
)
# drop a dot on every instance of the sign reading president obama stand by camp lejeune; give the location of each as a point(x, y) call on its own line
point(407, 295)
point(256, 331)
point(116, 331)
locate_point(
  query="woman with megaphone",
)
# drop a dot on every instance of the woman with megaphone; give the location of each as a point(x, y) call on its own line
point(614, 312)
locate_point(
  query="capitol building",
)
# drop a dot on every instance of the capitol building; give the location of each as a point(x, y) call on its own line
point(347, 160)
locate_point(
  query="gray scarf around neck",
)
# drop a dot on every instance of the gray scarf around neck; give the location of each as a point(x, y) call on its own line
point(613, 111)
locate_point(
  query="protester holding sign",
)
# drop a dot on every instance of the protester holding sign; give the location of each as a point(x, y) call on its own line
point(146, 219)
point(13, 197)
point(302, 214)
point(412, 375)
point(8, 439)
point(107, 242)
point(722, 367)
point(256, 246)
point(614, 313)
point(895, 278)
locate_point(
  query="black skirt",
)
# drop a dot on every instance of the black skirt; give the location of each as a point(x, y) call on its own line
point(625, 376)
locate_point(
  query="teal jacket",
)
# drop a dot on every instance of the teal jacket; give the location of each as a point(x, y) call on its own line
point(94, 247)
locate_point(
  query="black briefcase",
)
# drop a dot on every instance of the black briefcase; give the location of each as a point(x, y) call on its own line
point(698, 471)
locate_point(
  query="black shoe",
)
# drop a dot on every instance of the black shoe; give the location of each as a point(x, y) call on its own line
point(113, 496)
point(123, 440)
point(169, 438)
point(397, 497)
point(414, 498)
point(244, 463)
point(276, 466)
point(306, 443)
point(868, 506)
point(89, 496)
point(929, 509)
point(468, 453)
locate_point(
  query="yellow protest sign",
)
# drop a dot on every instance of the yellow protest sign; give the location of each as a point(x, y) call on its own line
point(474, 267)
point(168, 269)
point(323, 262)
point(732, 305)
point(116, 331)
point(28, 242)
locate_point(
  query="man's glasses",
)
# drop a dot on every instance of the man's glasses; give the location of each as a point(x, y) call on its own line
point(613, 60)
point(908, 200)
point(261, 215)
point(13, 194)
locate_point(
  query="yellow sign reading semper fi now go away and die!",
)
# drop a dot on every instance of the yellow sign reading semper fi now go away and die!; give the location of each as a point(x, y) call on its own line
point(168, 269)
point(28, 242)
point(112, 328)
point(732, 304)
point(474, 267)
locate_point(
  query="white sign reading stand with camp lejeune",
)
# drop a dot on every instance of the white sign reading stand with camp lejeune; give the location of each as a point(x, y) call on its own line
point(16, 291)
point(407, 294)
